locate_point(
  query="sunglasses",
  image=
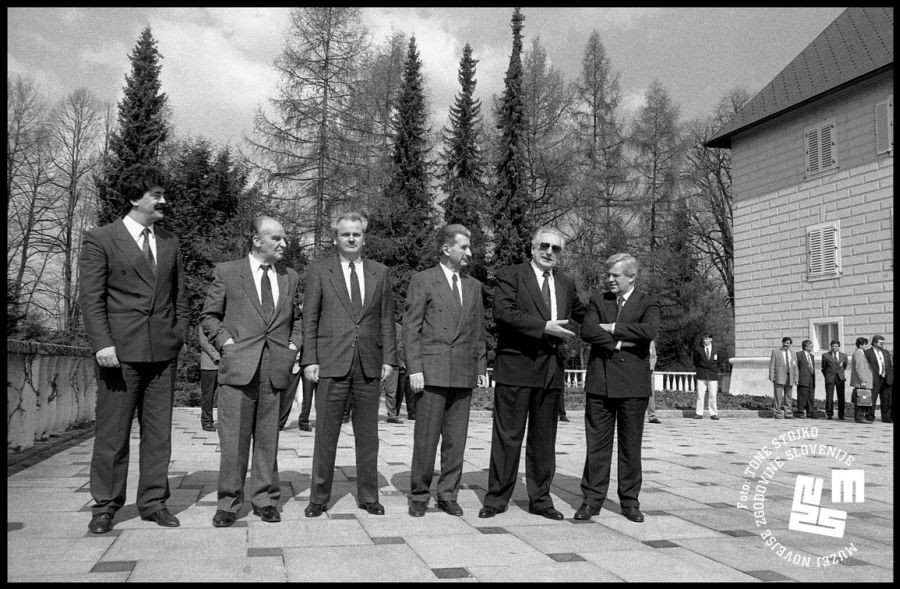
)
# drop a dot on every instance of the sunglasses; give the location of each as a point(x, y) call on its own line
point(544, 246)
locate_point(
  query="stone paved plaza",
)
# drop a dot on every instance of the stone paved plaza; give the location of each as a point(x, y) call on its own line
point(694, 474)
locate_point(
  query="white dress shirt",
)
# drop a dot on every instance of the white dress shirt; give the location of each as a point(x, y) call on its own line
point(450, 274)
point(539, 274)
point(136, 231)
point(257, 279)
point(358, 266)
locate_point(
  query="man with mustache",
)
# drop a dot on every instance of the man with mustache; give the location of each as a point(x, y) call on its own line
point(252, 316)
point(135, 313)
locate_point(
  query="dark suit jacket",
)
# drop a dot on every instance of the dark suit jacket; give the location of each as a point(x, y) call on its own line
point(888, 365)
point(330, 331)
point(232, 310)
point(444, 343)
point(123, 305)
point(833, 367)
point(806, 372)
point(622, 373)
point(707, 368)
point(524, 352)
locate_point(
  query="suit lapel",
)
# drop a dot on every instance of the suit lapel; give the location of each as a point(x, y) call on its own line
point(439, 279)
point(371, 283)
point(340, 287)
point(133, 253)
point(282, 290)
point(246, 277)
point(531, 283)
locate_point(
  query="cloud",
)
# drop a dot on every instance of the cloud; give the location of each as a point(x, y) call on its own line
point(47, 81)
point(113, 54)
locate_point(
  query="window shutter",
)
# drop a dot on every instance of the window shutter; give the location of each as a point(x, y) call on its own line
point(824, 256)
point(821, 155)
point(812, 151)
point(884, 126)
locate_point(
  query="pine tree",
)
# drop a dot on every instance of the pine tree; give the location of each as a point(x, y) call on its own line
point(142, 126)
point(463, 168)
point(402, 228)
point(511, 221)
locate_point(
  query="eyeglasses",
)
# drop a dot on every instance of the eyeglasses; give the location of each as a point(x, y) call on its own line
point(544, 246)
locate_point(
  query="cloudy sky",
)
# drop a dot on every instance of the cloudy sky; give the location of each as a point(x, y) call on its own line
point(217, 62)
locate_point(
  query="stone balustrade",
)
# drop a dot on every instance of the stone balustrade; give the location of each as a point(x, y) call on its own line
point(49, 388)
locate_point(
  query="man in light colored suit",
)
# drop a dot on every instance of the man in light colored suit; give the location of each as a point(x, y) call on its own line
point(252, 316)
point(209, 373)
point(806, 381)
point(834, 366)
point(444, 341)
point(783, 374)
point(882, 366)
point(860, 378)
point(135, 314)
point(349, 346)
point(620, 325)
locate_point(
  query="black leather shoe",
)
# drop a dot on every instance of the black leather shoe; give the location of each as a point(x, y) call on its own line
point(586, 512)
point(208, 427)
point(224, 519)
point(450, 507)
point(394, 420)
point(633, 513)
point(100, 523)
point(563, 418)
point(314, 509)
point(304, 426)
point(548, 512)
point(162, 518)
point(267, 514)
point(715, 418)
point(346, 420)
point(373, 507)
point(487, 511)
point(655, 420)
point(417, 508)
point(828, 417)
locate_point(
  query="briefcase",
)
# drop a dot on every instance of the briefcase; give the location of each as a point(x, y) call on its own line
point(864, 397)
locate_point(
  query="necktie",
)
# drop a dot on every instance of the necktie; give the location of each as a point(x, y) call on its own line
point(545, 291)
point(707, 353)
point(268, 303)
point(355, 295)
point(148, 253)
point(456, 297)
point(620, 302)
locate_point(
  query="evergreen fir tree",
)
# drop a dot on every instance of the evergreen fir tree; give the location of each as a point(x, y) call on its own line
point(142, 127)
point(510, 218)
point(463, 169)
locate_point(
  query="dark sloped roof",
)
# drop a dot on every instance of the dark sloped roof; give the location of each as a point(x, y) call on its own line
point(859, 43)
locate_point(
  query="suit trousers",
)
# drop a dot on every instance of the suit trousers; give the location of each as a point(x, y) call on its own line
point(396, 389)
point(249, 414)
point(783, 399)
point(332, 398)
point(805, 398)
point(288, 396)
point(208, 381)
point(149, 389)
point(711, 387)
point(830, 389)
point(881, 391)
point(602, 416)
point(443, 413)
point(513, 408)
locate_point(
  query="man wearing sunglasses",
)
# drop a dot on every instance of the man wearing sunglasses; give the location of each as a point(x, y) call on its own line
point(533, 302)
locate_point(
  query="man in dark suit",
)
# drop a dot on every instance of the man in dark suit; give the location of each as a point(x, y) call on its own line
point(444, 340)
point(135, 314)
point(619, 325)
point(349, 346)
point(882, 366)
point(251, 315)
point(834, 366)
point(396, 387)
point(532, 303)
point(706, 364)
point(806, 381)
point(209, 380)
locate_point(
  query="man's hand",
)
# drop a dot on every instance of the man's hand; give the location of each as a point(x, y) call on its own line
point(311, 373)
point(107, 357)
point(386, 370)
point(483, 381)
point(555, 327)
point(228, 342)
point(417, 382)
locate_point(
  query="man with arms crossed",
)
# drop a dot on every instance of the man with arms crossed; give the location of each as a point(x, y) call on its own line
point(444, 340)
point(619, 325)
point(349, 346)
point(532, 303)
point(136, 317)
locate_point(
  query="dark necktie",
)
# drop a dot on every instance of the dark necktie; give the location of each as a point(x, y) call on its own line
point(456, 298)
point(355, 295)
point(620, 302)
point(545, 291)
point(148, 253)
point(268, 303)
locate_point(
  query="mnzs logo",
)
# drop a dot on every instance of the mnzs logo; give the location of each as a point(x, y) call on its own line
point(847, 486)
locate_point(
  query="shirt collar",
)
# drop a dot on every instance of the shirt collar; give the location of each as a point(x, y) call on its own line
point(449, 273)
point(627, 295)
point(255, 263)
point(345, 263)
point(540, 273)
point(134, 228)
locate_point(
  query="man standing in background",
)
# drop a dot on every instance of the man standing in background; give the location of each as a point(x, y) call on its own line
point(806, 381)
point(834, 366)
point(706, 364)
point(209, 370)
point(783, 376)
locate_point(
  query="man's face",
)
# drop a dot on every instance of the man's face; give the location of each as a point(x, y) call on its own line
point(879, 344)
point(269, 242)
point(707, 341)
point(149, 208)
point(785, 345)
point(350, 238)
point(459, 253)
point(546, 250)
point(807, 347)
point(835, 348)
point(616, 280)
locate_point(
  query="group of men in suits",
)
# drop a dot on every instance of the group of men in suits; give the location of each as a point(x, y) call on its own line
point(871, 370)
point(344, 337)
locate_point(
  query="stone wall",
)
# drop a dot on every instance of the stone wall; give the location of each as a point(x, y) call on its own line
point(49, 388)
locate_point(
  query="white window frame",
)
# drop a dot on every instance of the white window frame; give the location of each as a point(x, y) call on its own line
point(884, 126)
point(814, 335)
point(821, 148)
point(817, 258)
